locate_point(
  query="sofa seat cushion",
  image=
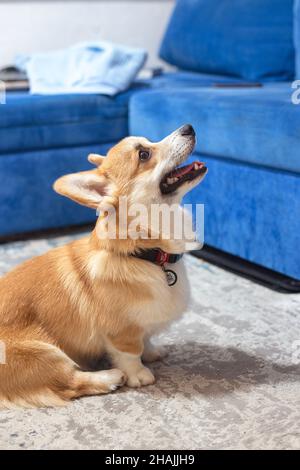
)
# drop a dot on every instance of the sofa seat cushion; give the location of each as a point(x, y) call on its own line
point(251, 212)
point(257, 125)
point(30, 122)
point(252, 39)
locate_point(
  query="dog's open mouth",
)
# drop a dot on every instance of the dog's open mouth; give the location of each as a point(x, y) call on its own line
point(173, 180)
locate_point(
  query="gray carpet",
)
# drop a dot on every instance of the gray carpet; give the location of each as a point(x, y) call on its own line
point(231, 379)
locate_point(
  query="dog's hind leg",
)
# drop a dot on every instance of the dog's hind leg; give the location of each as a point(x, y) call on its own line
point(95, 383)
point(37, 373)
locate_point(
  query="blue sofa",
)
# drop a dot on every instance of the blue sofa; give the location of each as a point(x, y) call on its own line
point(235, 63)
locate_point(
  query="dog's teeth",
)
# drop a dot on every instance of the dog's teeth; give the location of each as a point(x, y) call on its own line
point(196, 166)
point(172, 180)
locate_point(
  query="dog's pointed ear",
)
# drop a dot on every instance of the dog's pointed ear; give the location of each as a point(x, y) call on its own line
point(96, 159)
point(86, 188)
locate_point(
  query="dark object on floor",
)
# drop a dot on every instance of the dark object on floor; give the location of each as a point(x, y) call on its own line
point(253, 272)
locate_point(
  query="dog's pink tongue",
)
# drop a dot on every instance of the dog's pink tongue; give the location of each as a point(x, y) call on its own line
point(184, 170)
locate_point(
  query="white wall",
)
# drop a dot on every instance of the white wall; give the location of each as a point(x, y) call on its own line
point(30, 26)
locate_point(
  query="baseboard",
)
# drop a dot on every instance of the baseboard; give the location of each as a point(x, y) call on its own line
point(254, 272)
point(49, 233)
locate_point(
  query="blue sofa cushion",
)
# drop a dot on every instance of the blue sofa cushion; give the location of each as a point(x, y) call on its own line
point(297, 36)
point(257, 125)
point(28, 201)
point(251, 212)
point(252, 39)
point(30, 122)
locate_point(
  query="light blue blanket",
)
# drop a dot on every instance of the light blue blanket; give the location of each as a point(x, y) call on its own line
point(93, 67)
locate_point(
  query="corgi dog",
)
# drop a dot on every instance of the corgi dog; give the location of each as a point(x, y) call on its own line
point(63, 310)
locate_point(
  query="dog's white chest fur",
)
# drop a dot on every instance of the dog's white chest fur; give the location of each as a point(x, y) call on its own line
point(167, 303)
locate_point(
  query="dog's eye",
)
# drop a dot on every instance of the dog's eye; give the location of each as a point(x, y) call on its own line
point(144, 155)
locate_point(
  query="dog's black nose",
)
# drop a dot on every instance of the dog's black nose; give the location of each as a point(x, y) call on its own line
point(187, 130)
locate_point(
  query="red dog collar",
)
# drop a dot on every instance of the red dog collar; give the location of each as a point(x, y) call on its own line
point(158, 256)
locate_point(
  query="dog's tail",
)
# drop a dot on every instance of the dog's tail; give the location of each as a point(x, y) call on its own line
point(35, 373)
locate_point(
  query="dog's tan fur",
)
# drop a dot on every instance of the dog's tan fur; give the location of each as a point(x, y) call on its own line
point(61, 311)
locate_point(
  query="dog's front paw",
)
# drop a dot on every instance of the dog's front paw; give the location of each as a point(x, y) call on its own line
point(154, 354)
point(142, 377)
